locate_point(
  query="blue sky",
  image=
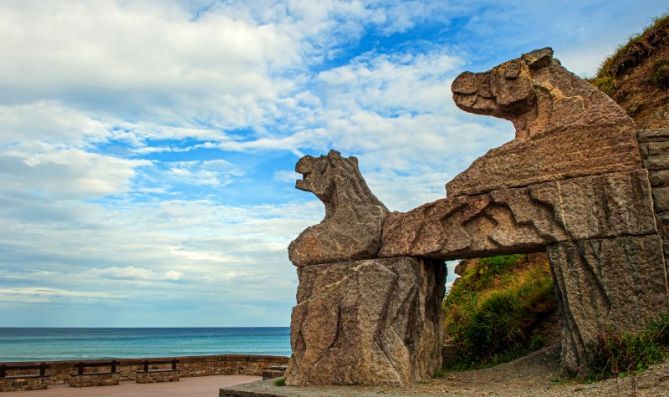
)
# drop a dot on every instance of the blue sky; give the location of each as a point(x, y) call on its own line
point(147, 147)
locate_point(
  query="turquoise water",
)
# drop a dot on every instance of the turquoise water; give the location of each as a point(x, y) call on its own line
point(35, 344)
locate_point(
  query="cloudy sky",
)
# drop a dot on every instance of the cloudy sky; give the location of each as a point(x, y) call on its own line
point(147, 147)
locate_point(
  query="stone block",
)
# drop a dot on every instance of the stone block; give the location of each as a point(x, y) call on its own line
point(523, 219)
point(606, 285)
point(157, 376)
point(575, 152)
point(657, 148)
point(367, 322)
point(659, 178)
point(653, 135)
point(23, 383)
point(95, 379)
point(656, 162)
point(661, 199)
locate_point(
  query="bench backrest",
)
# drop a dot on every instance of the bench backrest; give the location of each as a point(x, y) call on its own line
point(111, 364)
point(18, 367)
point(173, 362)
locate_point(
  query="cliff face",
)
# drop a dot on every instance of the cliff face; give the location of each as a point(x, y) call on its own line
point(637, 76)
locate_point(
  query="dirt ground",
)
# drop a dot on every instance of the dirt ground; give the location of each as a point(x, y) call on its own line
point(531, 376)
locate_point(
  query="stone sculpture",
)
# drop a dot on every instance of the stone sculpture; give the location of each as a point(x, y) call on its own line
point(353, 219)
point(565, 127)
point(571, 183)
point(359, 319)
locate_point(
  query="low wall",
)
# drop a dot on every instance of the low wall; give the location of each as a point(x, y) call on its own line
point(189, 366)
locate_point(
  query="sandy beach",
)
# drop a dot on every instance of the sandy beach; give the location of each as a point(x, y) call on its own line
point(187, 387)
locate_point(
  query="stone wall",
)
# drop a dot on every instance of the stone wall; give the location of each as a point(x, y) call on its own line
point(654, 147)
point(158, 376)
point(95, 379)
point(22, 384)
point(231, 364)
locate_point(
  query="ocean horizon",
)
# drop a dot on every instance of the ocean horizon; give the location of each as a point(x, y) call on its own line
point(49, 344)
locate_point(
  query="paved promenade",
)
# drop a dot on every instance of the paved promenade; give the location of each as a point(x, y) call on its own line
point(203, 386)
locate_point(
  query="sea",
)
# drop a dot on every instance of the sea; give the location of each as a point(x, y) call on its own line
point(37, 344)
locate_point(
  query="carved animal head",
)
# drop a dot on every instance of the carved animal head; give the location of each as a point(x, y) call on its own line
point(537, 94)
point(504, 91)
point(335, 180)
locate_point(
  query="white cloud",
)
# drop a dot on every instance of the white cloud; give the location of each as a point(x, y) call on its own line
point(147, 57)
point(213, 173)
point(50, 123)
point(70, 173)
point(87, 89)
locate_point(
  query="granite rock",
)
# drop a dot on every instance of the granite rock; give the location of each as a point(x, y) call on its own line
point(564, 126)
point(354, 217)
point(523, 219)
point(606, 286)
point(367, 322)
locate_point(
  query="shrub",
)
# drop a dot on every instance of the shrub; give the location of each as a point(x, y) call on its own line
point(659, 76)
point(605, 83)
point(280, 381)
point(490, 312)
point(621, 354)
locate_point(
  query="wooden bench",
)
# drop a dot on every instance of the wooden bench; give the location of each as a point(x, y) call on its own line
point(23, 381)
point(156, 375)
point(89, 379)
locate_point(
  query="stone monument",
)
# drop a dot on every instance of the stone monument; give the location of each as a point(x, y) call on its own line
point(572, 183)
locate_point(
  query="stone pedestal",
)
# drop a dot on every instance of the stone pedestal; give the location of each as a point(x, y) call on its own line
point(95, 379)
point(606, 285)
point(22, 383)
point(157, 376)
point(367, 322)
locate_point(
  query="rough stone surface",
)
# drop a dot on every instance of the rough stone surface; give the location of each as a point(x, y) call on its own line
point(659, 178)
point(606, 285)
point(564, 126)
point(367, 322)
point(653, 135)
point(654, 144)
point(523, 219)
point(354, 217)
point(95, 379)
point(23, 383)
point(157, 376)
point(661, 199)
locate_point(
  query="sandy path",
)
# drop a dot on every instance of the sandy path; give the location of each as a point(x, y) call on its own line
point(187, 387)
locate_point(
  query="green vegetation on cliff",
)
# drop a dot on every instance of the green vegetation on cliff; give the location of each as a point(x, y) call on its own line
point(632, 53)
point(636, 76)
point(493, 309)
